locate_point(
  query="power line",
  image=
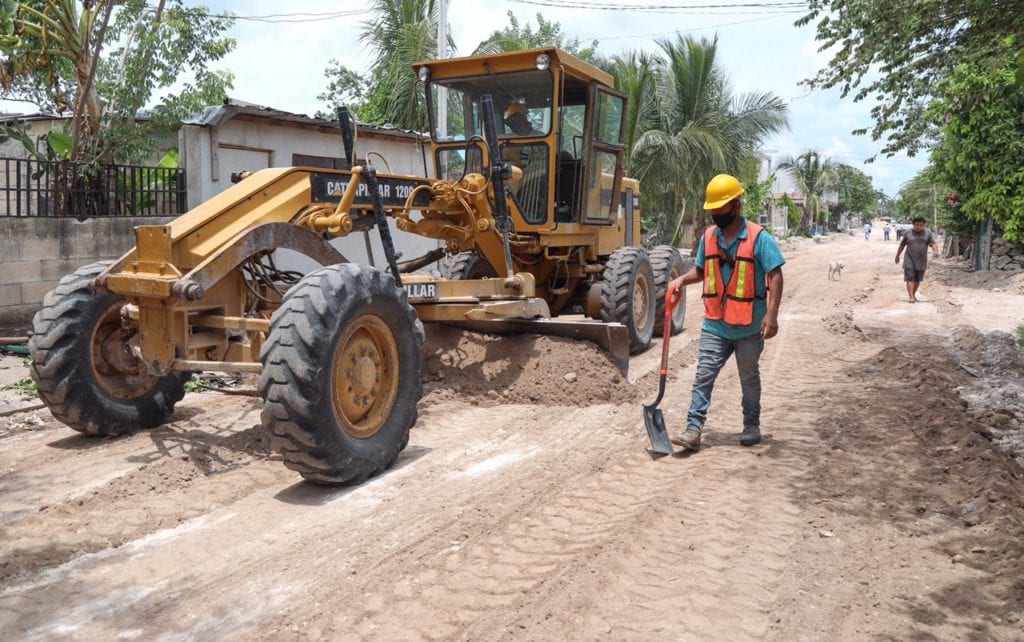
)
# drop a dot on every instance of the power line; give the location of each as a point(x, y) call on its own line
point(277, 18)
point(669, 33)
point(795, 7)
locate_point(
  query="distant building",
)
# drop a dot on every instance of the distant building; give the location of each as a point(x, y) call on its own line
point(239, 136)
point(784, 184)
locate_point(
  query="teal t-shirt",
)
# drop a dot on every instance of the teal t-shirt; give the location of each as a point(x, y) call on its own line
point(767, 257)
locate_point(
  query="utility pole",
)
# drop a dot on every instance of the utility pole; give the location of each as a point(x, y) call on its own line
point(442, 53)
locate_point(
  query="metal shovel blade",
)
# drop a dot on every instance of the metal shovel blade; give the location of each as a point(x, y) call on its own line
point(654, 420)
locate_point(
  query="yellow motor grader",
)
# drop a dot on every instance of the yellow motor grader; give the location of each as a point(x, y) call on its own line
point(528, 200)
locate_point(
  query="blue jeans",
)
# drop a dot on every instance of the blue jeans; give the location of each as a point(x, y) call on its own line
point(714, 351)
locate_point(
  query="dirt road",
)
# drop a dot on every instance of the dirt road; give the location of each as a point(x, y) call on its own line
point(527, 507)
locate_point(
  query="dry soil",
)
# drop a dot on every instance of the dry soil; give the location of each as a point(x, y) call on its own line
point(885, 502)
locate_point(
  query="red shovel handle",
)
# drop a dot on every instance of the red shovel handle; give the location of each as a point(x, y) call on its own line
point(672, 298)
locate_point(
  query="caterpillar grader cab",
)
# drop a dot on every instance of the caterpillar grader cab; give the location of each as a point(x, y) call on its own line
point(538, 232)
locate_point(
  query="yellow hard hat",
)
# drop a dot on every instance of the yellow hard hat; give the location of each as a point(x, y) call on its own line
point(515, 108)
point(722, 189)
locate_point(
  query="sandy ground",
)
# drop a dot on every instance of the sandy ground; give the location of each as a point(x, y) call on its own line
point(885, 501)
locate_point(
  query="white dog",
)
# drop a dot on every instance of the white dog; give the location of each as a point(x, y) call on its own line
point(835, 268)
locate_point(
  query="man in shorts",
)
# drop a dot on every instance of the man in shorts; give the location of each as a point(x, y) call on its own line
point(916, 242)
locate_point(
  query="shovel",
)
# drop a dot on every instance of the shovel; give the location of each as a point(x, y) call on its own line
point(654, 420)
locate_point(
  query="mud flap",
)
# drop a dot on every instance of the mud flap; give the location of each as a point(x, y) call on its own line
point(613, 338)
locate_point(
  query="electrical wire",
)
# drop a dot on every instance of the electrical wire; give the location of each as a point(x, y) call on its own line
point(275, 18)
point(664, 8)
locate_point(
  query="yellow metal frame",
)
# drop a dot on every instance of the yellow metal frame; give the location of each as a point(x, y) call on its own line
point(187, 296)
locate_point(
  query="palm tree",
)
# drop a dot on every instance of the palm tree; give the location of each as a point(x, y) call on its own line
point(702, 128)
point(403, 32)
point(636, 75)
point(813, 174)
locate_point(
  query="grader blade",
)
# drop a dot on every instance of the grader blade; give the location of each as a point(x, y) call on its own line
point(613, 338)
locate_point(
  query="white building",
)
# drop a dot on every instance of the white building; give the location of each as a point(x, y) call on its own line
point(237, 136)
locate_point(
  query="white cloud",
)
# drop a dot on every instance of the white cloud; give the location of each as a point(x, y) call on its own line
point(281, 64)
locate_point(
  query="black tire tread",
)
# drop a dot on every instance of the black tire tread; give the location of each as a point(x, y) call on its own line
point(65, 378)
point(616, 293)
point(465, 265)
point(663, 259)
point(296, 364)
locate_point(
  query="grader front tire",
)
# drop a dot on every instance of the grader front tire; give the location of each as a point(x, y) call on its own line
point(627, 295)
point(341, 374)
point(83, 368)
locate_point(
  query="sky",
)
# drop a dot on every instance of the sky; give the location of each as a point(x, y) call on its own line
point(280, 61)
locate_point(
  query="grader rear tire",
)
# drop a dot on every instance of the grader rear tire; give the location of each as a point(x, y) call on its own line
point(627, 295)
point(667, 264)
point(82, 366)
point(466, 266)
point(341, 374)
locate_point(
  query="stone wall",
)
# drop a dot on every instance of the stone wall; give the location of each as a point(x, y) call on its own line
point(1006, 256)
point(36, 252)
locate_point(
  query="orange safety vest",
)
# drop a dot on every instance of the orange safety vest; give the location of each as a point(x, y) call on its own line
point(732, 302)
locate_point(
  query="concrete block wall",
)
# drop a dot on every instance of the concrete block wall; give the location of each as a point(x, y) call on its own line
point(36, 252)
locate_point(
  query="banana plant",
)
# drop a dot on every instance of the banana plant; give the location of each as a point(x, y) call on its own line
point(137, 193)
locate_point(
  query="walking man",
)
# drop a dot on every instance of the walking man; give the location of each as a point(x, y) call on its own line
point(885, 231)
point(916, 242)
point(740, 266)
point(867, 231)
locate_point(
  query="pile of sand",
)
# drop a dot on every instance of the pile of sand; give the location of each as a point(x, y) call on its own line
point(947, 464)
point(488, 370)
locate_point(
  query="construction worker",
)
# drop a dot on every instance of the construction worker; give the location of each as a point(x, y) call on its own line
point(740, 266)
point(531, 194)
point(517, 121)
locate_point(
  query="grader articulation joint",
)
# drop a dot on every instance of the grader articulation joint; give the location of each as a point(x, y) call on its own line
point(536, 221)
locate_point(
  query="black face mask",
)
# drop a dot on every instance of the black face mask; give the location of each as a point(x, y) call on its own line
point(724, 220)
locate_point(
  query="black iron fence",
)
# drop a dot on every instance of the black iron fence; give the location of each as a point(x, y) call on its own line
point(31, 187)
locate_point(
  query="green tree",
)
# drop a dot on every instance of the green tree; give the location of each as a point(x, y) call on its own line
point(981, 150)
point(814, 175)
point(792, 212)
point(344, 87)
point(757, 194)
point(703, 127)
point(915, 44)
point(401, 33)
point(637, 75)
point(856, 192)
point(920, 196)
point(104, 65)
point(516, 37)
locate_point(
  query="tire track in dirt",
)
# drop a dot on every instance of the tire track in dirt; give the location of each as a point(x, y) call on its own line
point(384, 523)
point(539, 535)
point(675, 575)
point(525, 521)
point(154, 488)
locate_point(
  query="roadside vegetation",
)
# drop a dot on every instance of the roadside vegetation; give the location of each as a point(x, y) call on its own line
point(26, 386)
point(953, 87)
point(102, 62)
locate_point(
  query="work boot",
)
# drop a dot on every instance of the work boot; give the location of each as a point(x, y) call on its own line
point(689, 440)
point(751, 435)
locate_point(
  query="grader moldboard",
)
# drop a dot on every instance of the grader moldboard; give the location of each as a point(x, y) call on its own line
point(534, 224)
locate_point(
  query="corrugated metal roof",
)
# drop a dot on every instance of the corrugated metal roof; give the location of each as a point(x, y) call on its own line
point(142, 114)
point(217, 114)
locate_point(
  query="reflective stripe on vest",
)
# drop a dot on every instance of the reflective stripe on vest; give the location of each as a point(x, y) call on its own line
point(734, 305)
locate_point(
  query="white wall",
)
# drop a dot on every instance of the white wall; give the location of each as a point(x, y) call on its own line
point(268, 145)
